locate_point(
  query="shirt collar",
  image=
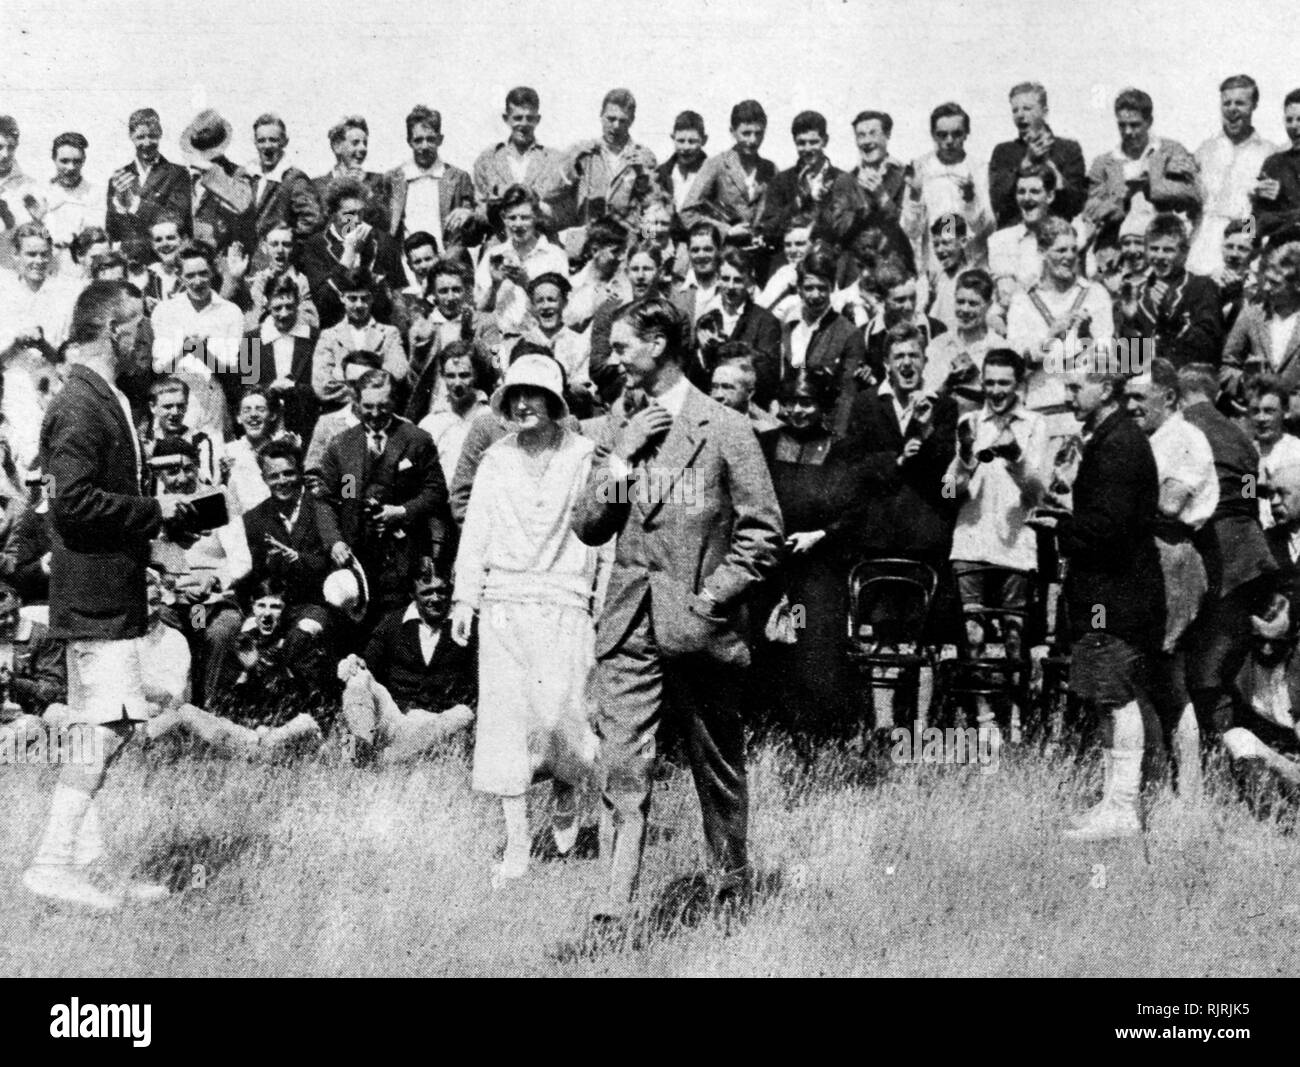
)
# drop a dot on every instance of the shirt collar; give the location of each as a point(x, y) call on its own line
point(815, 326)
point(413, 614)
point(412, 171)
point(1153, 142)
point(275, 174)
point(270, 334)
point(673, 399)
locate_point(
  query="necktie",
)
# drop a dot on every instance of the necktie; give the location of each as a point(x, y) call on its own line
point(376, 444)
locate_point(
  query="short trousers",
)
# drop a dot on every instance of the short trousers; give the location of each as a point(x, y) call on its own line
point(105, 681)
point(1107, 670)
point(981, 586)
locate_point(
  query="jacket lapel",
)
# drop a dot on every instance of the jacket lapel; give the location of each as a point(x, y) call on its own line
point(679, 451)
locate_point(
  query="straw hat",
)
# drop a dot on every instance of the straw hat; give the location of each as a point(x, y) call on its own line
point(207, 137)
point(348, 590)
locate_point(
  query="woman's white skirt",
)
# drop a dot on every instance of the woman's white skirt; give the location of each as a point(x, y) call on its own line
point(535, 665)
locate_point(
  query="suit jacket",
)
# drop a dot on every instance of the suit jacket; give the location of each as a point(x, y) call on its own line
point(408, 473)
point(1187, 324)
point(167, 191)
point(301, 408)
point(1115, 583)
point(1004, 167)
point(227, 212)
point(1284, 209)
point(909, 516)
point(760, 328)
point(713, 525)
point(1249, 338)
point(1108, 192)
point(319, 261)
point(787, 196)
point(101, 523)
point(836, 346)
point(455, 189)
point(304, 578)
point(395, 658)
point(336, 342)
point(20, 563)
point(1287, 577)
point(291, 199)
point(720, 195)
point(851, 209)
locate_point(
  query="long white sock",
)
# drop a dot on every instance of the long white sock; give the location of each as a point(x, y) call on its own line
point(67, 813)
point(1187, 753)
point(1126, 749)
point(89, 845)
point(518, 843)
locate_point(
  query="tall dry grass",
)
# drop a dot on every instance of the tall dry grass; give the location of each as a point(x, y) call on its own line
point(315, 869)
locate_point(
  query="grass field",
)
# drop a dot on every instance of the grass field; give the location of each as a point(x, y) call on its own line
point(322, 870)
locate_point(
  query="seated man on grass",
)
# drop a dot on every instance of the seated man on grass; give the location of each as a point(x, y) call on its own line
point(416, 687)
point(271, 708)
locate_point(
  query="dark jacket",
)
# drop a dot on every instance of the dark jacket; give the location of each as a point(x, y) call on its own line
point(40, 674)
point(1004, 167)
point(1114, 583)
point(227, 213)
point(319, 261)
point(408, 473)
point(1287, 578)
point(787, 196)
point(167, 191)
point(394, 657)
point(908, 515)
point(852, 209)
point(377, 187)
point(1284, 209)
point(304, 578)
point(301, 408)
point(101, 523)
point(20, 564)
point(836, 346)
point(1187, 324)
point(292, 200)
point(1232, 542)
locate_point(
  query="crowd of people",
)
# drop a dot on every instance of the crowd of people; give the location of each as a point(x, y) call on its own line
point(575, 443)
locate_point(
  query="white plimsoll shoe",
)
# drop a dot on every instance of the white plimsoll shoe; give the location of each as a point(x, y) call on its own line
point(145, 892)
point(1108, 778)
point(510, 869)
point(567, 837)
point(68, 885)
point(1106, 822)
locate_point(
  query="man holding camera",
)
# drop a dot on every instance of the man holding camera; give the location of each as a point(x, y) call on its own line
point(385, 496)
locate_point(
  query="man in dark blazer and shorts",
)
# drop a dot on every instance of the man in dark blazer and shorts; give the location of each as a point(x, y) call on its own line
point(101, 526)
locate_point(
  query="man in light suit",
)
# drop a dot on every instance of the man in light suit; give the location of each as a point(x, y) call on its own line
point(101, 526)
point(686, 492)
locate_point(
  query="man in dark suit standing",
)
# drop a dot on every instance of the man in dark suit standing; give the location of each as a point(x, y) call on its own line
point(385, 496)
point(282, 195)
point(1036, 143)
point(101, 527)
point(686, 492)
point(803, 189)
point(147, 188)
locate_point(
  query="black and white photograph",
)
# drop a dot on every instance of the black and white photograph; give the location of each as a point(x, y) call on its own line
point(677, 489)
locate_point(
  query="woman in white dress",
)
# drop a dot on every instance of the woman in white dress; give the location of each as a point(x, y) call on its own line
point(532, 583)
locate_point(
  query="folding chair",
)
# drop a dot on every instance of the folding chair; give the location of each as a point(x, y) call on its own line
point(889, 609)
point(1003, 666)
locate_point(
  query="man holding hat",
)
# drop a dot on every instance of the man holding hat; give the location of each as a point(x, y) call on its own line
point(223, 209)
